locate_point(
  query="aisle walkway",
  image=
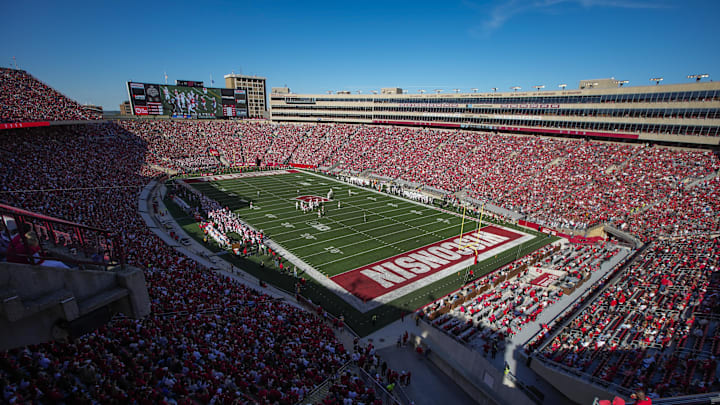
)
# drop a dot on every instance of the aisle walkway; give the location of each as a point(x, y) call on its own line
point(428, 384)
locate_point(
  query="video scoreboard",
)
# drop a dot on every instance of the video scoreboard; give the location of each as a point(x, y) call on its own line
point(187, 99)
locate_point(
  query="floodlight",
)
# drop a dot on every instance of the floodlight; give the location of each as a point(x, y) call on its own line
point(698, 77)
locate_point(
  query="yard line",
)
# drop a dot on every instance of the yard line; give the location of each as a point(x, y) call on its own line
point(347, 200)
point(366, 251)
point(392, 219)
point(329, 210)
point(327, 240)
point(363, 241)
point(361, 207)
point(363, 233)
point(345, 236)
point(389, 218)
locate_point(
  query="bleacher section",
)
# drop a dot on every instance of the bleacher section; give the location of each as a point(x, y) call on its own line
point(656, 327)
point(209, 338)
point(25, 99)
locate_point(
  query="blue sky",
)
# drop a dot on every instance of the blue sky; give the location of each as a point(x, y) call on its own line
point(88, 50)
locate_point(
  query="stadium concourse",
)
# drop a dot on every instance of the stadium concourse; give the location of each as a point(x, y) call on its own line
point(652, 325)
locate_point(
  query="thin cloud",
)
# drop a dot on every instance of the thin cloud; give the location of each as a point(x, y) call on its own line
point(507, 9)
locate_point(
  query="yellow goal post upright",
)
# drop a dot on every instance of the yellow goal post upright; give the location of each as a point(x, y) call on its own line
point(472, 245)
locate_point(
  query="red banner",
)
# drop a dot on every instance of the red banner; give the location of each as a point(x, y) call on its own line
point(302, 166)
point(571, 132)
point(529, 224)
point(13, 125)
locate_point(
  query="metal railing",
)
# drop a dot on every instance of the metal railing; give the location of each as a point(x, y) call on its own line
point(65, 241)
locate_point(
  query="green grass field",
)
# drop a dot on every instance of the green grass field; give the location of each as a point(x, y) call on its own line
point(368, 227)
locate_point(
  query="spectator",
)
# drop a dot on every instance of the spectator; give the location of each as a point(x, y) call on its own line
point(24, 249)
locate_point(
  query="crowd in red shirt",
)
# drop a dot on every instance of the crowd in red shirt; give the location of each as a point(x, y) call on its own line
point(24, 98)
point(210, 338)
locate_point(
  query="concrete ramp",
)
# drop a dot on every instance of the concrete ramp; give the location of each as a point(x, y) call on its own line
point(39, 304)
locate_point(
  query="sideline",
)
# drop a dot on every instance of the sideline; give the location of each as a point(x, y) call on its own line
point(163, 223)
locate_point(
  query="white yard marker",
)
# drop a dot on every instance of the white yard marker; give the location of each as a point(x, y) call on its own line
point(333, 249)
point(271, 216)
point(372, 198)
point(287, 225)
point(416, 212)
point(392, 205)
point(307, 236)
point(318, 226)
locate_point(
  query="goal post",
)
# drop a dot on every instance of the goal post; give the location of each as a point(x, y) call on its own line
point(465, 216)
point(469, 274)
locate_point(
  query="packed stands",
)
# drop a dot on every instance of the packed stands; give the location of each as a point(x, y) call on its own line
point(24, 99)
point(210, 338)
point(655, 327)
point(565, 184)
point(493, 309)
point(685, 212)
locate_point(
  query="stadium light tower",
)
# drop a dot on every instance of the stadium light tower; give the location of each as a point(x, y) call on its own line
point(657, 80)
point(621, 82)
point(359, 91)
point(421, 91)
point(539, 87)
point(698, 77)
point(474, 90)
point(329, 92)
point(374, 92)
point(562, 86)
point(494, 89)
point(515, 88)
point(438, 91)
point(456, 91)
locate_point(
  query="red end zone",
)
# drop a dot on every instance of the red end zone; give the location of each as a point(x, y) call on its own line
point(379, 278)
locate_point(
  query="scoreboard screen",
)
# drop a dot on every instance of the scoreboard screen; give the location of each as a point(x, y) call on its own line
point(193, 101)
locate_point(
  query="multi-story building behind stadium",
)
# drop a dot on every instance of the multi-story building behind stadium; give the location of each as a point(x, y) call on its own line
point(126, 108)
point(677, 113)
point(255, 86)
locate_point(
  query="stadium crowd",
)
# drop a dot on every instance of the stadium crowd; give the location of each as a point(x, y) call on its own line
point(208, 338)
point(24, 98)
point(656, 327)
point(211, 339)
point(562, 183)
point(494, 308)
point(570, 184)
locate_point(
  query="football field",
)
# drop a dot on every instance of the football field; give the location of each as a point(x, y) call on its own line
point(369, 248)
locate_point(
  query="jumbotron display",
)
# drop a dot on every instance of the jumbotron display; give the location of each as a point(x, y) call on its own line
point(187, 101)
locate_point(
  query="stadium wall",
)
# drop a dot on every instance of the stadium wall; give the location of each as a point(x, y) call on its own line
point(577, 390)
point(470, 370)
point(39, 304)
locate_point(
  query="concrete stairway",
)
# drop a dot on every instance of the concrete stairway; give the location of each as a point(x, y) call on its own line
point(34, 300)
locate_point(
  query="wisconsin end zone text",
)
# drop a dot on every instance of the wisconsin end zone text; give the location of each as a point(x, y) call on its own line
point(403, 273)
